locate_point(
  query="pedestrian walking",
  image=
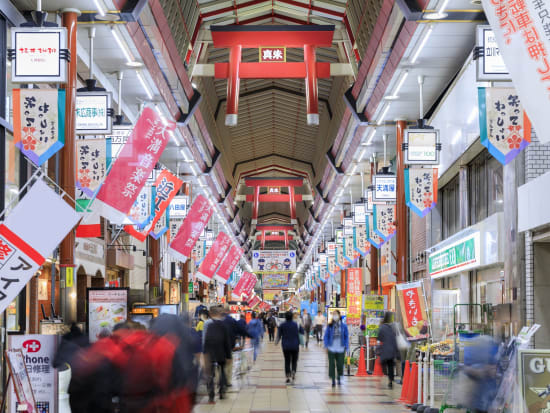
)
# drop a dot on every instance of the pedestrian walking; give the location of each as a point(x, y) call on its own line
point(271, 325)
point(319, 323)
point(235, 330)
point(255, 330)
point(306, 322)
point(388, 350)
point(288, 334)
point(337, 343)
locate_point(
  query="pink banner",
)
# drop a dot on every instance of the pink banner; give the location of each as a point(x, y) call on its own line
point(228, 264)
point(254, 302)
point(192, 227)
point(133, 166)
point(214, 257)
point(244, 286)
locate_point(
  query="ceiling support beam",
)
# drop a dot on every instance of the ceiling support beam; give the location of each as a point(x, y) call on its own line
point(258, 182)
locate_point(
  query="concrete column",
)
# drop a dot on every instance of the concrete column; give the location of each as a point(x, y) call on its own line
point(312, 101)
point(401, 208)
point(233, 86)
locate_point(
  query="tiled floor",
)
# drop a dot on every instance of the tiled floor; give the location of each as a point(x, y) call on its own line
point(263, 390)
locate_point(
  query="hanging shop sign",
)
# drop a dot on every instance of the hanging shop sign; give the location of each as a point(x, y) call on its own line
point(490, 65)
point(350, 253)
point(277, 281)
point(332, 268)
point(341, 261)
point(362, 245)
point(421, 146)
point(38, 354)
point(413, 309)
point(369, 193)
point(534, 377)
point(339, 236)
point(520, 32)
point(174, 225)
point(421, 190)
point(39, 122)
point(359, 213)
point(193, 225)
point(348, 226)
point(107, 307)
point(161, 226)
point(505, 129)
point(254, 302)
point(272, 54)
point(21, 381)
point(198, 252)
point(94, 113)
point(456, 257)
point(133, 166)
point(354, 296)
point(178, 206)
point(273, 260)
point(384, 221)
point(228, 265)
point(142, 210)
point(214, 257)
point(27, 237)
point(119, 136)
point(385, 188)
point(374, 239)
point(39, 55)
point(387, 265)
point(93, 157)
point(245, 281)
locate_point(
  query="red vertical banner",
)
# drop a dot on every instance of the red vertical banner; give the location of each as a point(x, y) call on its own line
point(413, 310)
point(254, 302)
point(244, 286)
point(133, 166)
point(192, 227)
point(214, 257)
point(228, 264)
point(354, 295)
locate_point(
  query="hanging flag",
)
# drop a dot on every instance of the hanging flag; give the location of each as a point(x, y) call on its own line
point(362, 245)
point(39, 122)
point(174, 225)
point(161, 227)
point(93, 158)
point(340, 260)
point(142, 209)
point(228, 264)
point(504, 128)
point(198, 252)
point(350, 253)
point(245, 283)
point(384, 221)
point(421, 189)
point(90, 225)
point(254, 302)
point(193, 225)
point(372, 236)
point(214, 257)
point(26, 237)
point(133, 166)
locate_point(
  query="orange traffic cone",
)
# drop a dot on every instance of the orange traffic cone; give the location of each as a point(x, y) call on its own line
point(405, 384)
point(362, 370)
point(378, 368)
point(412, 394)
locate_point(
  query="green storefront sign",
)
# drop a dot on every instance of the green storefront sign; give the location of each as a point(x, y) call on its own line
point(190, 288)
point(455, 257)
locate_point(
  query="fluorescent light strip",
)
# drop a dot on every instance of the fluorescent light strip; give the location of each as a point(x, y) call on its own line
point(473, 115)
point(121, 45)
point(384, 113)
point(371, 137)
point(144, 85)
point(400, 83)
point(99, 8)
point(422, 44)
point(443, 7)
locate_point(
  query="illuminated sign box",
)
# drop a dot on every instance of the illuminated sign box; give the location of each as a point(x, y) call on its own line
point(421, 146)
point(93, 113)
point(490, 65)
point(359, 212)
point(385, 188)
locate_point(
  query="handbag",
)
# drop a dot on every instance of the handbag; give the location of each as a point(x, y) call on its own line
point(402, 343)
point(302, 341)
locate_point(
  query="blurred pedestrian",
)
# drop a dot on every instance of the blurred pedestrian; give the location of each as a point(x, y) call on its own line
point(217, 350)
point(388, 350)
point(235, 330)
point(319, 322)
point(203, 317)
point(336, 342)
point(288, 332)
point(306, 323)
point(271, 325)
point(255, 330)
point(242, 327)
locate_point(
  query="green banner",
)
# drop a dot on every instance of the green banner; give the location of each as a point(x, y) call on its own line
point(454, 257)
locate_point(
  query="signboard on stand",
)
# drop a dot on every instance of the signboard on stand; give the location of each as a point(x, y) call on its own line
point(413, 310)
point(21, 382)
point(107, 307)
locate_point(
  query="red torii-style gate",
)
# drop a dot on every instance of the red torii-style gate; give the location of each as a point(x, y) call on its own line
point(291, 198)
point(275, 228)
point(235, 37)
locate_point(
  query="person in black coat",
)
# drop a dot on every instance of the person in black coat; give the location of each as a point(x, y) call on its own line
point(235, 329)
point(289, 333)
point(217, 350)
point(388, 350)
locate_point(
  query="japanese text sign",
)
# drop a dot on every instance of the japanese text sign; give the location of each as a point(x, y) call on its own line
point(39, 54)
point(228, 264)
point(191, 229)
point(245, 284)
point(385, 188)
point(504, 127)
point(142, 212)
point(174, 225)
point(93, 113)
point(93, 157)
point(354, 296)
point(522, 32)
point(214, 257)
point(421, 190)
point(362, 245)
point(374, 239)
point(421, 146)
point(340, 258)
point(332, 268)
point(39, 122)
point(178, 206)
point(161, 226)
point(133, 166)
point(359, 212)
point(384, 221)
point(413, 310)
point(350, 253)
point(490, 65)
point(274, 260)
point(254, 302)
point(456, 257)
point(272, 54)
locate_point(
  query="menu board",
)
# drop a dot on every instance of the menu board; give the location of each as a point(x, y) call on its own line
point(106, 308)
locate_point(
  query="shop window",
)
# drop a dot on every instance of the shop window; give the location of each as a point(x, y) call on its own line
point(450, 208)
point(484, 187)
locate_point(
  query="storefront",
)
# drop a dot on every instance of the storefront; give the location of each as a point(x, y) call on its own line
point(90, 271)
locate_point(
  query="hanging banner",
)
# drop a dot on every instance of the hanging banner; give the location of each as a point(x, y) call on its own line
point(387, 265)
point(254, 302)
point(522, 36)
point(133, 166)
point(413, 310)
point(350, 253)
point(193, 225)
point(384, 221)
point(198, 252)
point(332, 268)
point(264, 306)
point(354, 296)
point(275, 281)
point(323, 272)
point(143, 209)
point(362, 245)
point(93, 157)
point(174, 225)
point(341, 262)
point(26, 237)
point(372, 237)
point(214, 257)
point(505, 129)
point(421, 190)
point(39, 122)
point(161, 227)
point(228, 265)
point(273, 260)
point(245, 283)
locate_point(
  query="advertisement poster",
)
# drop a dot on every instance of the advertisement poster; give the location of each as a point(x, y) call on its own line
point(274, 281)
point(373, 302)
point(413, 310)
point(107, 307)
point(271, 295)
point(534, 379)
point(354, 296)
point(273, 260)
point(38, 353)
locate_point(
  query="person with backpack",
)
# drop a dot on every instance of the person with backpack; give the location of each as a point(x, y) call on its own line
point(306, 323)
point(289, 334)
point(255, 330)
point(271, 325)
point(336, 342)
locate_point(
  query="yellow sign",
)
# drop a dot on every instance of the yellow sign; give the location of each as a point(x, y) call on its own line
point(69, 277)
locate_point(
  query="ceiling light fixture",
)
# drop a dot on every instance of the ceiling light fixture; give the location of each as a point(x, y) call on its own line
point(99, 8)
point(400, 83)
point(144, 85)
point(439, 14)
point(384, 113)
point(422, 44)
point(123, 47)
point(371, 137)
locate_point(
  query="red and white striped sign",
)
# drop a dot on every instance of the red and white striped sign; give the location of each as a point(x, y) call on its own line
point(214, 257)
point(191, 229)
point(228, 264)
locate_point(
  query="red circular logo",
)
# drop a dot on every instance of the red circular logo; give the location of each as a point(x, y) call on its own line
point(32, 346)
